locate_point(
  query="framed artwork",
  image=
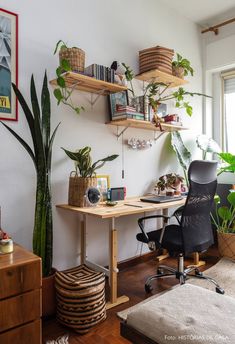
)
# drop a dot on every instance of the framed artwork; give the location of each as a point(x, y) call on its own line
point(8, 64)
point(120, 98)
point(103, 184)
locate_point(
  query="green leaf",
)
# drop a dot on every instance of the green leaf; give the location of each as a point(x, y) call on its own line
point(231, 198)
point(46, 112)
point(227, 157)
point(61, 82)
point(72, 155)
point(217, 199)
point(49, 155)
point(59, 71)
point(207, 144)
point(224, 213)
point(182, 153)
point(58, 95)
point(58, 44)
point(23, 143)
point(65, 65)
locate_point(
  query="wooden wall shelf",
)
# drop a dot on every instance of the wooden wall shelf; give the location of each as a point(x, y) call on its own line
point(159, 76)
point(139, 124)
point(88, 84)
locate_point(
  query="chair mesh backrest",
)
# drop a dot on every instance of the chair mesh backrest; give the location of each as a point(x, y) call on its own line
point(196, 226)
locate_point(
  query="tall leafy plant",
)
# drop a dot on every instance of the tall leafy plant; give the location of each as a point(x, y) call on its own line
point(40, 151)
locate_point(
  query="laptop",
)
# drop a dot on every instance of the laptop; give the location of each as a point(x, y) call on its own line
point(161, 199)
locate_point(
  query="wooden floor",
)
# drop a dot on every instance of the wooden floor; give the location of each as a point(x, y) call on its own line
point(131, 283)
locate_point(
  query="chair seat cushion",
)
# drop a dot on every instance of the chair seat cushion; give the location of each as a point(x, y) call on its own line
point(186, 314)
point(172, 238)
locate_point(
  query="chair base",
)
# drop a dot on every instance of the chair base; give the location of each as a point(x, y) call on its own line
point(181, 274)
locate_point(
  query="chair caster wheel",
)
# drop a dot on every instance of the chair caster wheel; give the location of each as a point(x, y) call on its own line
point(148, 288)
point(198, 273)
point(219, 290)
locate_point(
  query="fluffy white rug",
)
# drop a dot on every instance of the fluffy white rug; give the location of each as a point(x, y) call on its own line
point(60, 340)
point(223, 272)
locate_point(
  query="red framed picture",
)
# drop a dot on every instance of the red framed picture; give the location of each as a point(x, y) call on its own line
point(8, 64)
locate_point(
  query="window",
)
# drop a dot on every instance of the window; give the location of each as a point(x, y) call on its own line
point(228, 113)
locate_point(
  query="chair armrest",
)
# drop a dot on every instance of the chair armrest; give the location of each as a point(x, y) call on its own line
point(142, 219)
point(178, 213)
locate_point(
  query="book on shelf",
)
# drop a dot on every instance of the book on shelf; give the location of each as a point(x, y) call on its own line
point(100, 72)
point(127, 115)
point(125, 108)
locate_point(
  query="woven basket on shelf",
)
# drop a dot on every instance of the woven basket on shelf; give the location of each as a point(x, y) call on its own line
point(77, 189)
point(80, 294)
point(75, 56)
point(226, 245)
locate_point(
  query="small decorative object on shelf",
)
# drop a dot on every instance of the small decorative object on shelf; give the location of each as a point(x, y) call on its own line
point(139, 144)
point(169, 184)
point(156, 58)
point(181, 67)
point(119, 73)
point(84, 175)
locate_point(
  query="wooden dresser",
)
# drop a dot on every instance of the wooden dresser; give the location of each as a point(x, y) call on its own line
point(20, 297)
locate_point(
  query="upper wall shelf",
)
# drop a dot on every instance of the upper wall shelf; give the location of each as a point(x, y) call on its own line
point(161, 77)
point(88, 84)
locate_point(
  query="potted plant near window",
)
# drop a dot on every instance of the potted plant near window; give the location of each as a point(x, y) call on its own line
point(39, 123)
point(84, 174)
point(181, 67)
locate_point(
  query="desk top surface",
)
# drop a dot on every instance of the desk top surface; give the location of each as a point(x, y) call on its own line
point(127, 207)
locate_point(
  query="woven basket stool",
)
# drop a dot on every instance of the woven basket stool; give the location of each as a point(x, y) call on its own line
point(80, 294)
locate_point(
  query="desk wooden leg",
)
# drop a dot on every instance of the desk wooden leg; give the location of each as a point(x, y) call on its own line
point(113, 270)
point(196, 260)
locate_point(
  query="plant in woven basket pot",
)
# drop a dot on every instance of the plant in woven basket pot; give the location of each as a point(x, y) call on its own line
point(84, 174)
point(224, 221)
point(39, 123)
point(181, 67)
point(70, 60)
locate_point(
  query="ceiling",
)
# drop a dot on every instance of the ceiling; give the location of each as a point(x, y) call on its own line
point(204, 12)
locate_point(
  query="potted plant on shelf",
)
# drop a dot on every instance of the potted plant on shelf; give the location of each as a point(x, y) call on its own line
point(84, 174)
point(39, 123)
point(181, 67)
point(170, 184)
point(71, 60)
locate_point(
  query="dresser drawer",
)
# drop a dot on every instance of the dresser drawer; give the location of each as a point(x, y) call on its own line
point(20, 278)
point(20, 309)
point(26, 334)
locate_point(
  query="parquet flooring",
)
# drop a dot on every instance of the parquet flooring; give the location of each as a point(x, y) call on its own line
point(130, 283)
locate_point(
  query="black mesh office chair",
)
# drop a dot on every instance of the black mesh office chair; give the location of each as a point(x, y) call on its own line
point(193, 233)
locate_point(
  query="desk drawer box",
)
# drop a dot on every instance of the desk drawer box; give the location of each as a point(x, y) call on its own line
point(20, 309)
point(18, 279)
point(26, 334)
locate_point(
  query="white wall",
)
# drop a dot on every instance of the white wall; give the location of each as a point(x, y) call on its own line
point(107, 31)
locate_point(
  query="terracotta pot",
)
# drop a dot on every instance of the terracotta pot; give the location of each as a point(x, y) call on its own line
point(226, 244)
point(48, 295)
point(178, 71)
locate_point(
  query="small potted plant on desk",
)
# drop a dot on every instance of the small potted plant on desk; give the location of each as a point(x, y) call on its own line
point(84, 174)
point(170, 184)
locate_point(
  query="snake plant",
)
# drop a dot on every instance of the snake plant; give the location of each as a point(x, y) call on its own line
point(40, 151)
point(83, 161)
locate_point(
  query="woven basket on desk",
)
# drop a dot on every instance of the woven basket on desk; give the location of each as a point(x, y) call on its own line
point(77, 189)
point(80, 294)
point(75, 56)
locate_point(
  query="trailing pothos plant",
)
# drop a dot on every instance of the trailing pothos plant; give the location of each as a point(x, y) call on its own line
point(83, 161)
point(63, 93)
point(40, 151)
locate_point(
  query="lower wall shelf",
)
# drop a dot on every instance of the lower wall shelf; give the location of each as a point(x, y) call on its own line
point(139, 124)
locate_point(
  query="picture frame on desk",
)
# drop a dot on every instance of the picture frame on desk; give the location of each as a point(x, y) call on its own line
point(114, 99)
point(8, 64)
point(103, 184)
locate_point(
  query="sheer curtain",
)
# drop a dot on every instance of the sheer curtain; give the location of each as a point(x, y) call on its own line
point(229, 114)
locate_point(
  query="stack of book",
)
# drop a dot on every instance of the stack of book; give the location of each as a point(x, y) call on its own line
point(172, 119)
point(156, 58)
point(100, 72)
point(126, 111)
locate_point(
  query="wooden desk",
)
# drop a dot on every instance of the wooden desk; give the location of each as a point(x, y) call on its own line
point(106, 212)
